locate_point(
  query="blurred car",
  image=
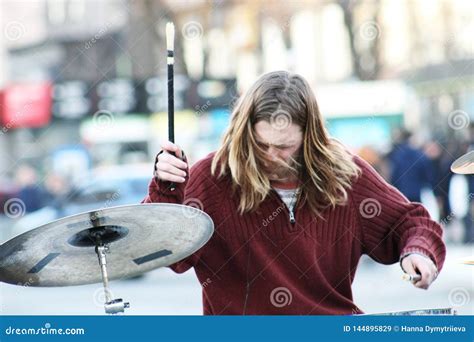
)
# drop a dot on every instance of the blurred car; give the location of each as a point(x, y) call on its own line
point(102, 188)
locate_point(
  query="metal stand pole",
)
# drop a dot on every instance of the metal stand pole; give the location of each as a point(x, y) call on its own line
point(112, 306)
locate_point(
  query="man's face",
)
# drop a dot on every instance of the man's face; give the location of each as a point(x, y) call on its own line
point(280, 143)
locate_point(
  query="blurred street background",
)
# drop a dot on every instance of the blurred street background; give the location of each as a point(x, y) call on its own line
point(83, 109)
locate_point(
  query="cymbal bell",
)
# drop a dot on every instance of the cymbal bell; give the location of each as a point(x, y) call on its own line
point(464, 165)
point(138, 238)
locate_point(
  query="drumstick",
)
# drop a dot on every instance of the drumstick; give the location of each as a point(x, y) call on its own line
point(411, 277)
point(170, 62)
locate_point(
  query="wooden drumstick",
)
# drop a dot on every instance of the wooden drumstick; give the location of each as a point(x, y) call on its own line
point(411, 277)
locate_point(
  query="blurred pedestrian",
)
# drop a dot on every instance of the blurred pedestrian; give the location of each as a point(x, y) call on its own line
point(441, 156)
point(56, 187)
point(410, 169)
point(31, 193)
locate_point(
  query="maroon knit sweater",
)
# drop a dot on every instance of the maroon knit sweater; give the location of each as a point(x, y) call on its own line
point(260, 263)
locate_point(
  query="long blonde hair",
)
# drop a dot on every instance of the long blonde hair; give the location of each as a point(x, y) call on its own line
point(326, 170)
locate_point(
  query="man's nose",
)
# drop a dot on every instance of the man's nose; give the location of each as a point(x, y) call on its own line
point(272, 153)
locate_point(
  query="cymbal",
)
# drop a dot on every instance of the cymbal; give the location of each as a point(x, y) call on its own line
point(139, 238)
point(464, 165)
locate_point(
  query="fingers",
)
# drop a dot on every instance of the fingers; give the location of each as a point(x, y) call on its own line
point(166, 176)
point(414, 265)
point(425, 269)
point(170, 147)
point(170, 166)
point(172, 160)
point(407, 266)
point(170, 169)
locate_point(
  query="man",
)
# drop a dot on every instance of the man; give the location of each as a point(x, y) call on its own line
point(293, 210)
point(411, 169)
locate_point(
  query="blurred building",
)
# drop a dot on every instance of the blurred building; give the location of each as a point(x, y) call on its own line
point(52, 42)
point(106, 59)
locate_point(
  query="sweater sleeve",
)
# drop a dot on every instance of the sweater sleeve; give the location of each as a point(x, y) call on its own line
point(391, 225)
point(195, 192)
